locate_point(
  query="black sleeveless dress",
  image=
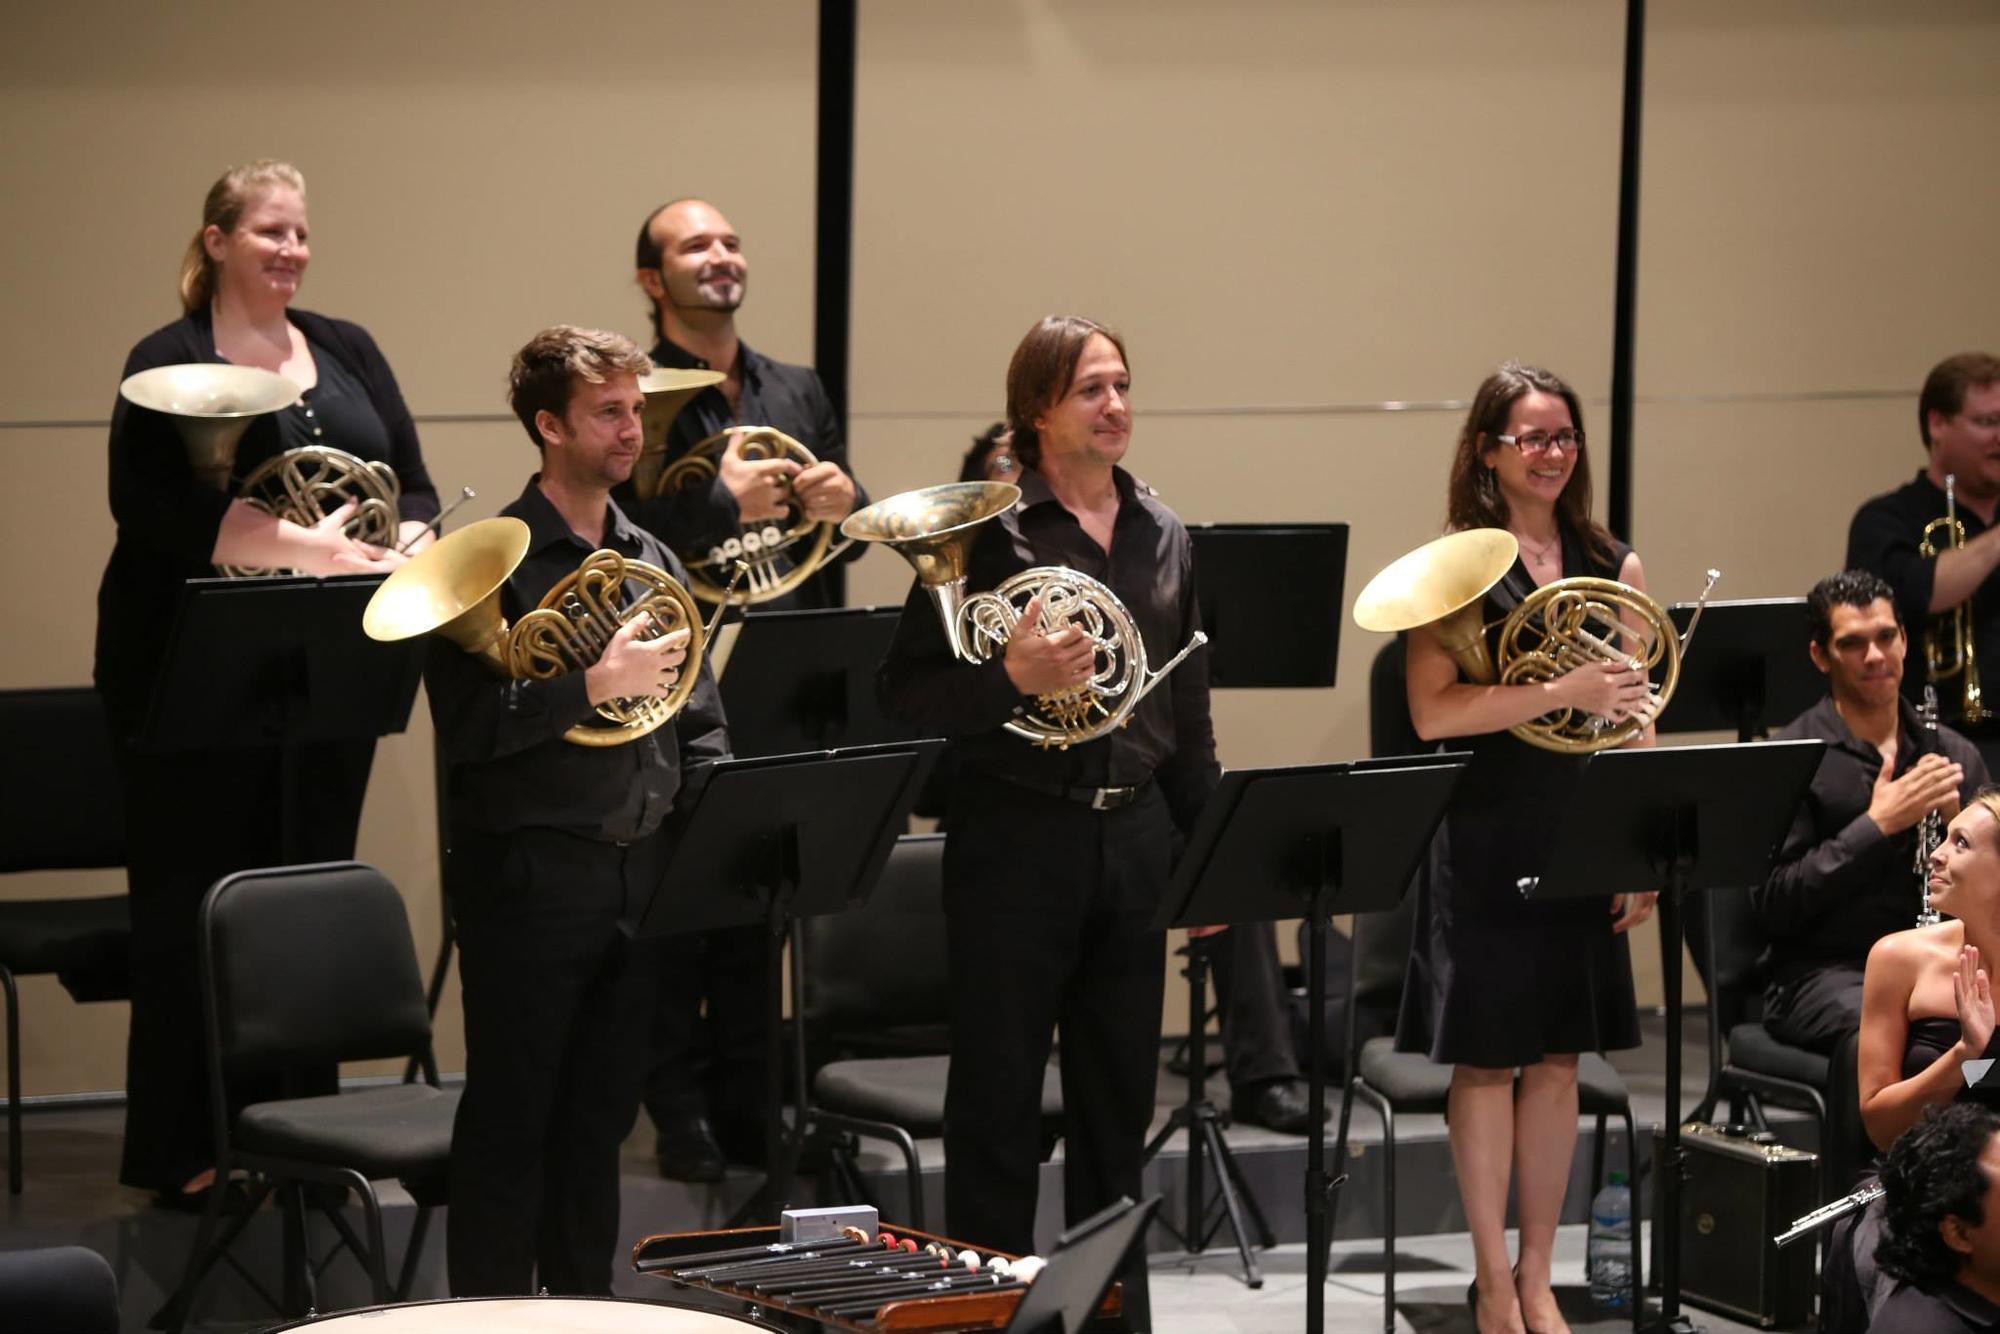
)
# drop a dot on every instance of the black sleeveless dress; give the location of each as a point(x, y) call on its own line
point(1930, 1038)
point(1497, 979)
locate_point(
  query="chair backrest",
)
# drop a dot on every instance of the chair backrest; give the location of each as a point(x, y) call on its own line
point(303, 965)
point(880, 968)
point(66, 808)
point(1734, 978)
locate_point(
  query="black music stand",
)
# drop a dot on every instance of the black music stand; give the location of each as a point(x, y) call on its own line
point(772, 840)
point(278, 662)
point(1066, 1295)
point(1753, 670)
point(1688, 818)
point(1248, 579)
point(1753, 674)
point(1311, 841)
point(1251, 579)
point(805, 680)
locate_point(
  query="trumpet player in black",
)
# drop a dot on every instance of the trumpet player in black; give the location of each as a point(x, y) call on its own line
point(1847, 873)
point(1934, 541)
point(182, 512)
point(555, 846)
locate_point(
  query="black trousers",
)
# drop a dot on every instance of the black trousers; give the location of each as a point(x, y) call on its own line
point(192, 818)
point(1816, 1010)
point(558, 998)
point(709, 1022)
point(1049, 919)
point(1250, 992)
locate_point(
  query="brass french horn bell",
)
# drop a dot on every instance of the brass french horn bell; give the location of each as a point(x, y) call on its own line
point(453, 588)
point(933, 529)
point(667, 390)
point(211, 406)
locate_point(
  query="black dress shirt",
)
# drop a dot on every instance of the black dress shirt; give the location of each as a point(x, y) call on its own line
point(790, 399)
point(1954, 1309)
point(168, 518)
point(1169, 736)
point(1840, 884)
point(1883, 539)
point(512, 768)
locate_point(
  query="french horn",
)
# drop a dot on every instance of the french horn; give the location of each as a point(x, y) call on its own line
point(213, 405)
point(453, 587)
point(778, 554)
point(934, 529)
point(1559, 627)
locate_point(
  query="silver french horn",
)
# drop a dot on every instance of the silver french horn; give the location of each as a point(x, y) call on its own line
point(934, 529)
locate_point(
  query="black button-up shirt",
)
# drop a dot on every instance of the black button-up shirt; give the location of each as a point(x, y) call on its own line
point(512, 768)
point(1840, 884)
point(1150, 566)
point(1953, 1309)
point(1883, 539)
point(788, 398)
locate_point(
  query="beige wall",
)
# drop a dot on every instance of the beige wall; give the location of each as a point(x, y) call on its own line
point(1294, 210)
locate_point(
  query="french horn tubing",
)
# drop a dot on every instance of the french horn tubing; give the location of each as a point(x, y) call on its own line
point(934, 529)
point(1559, 627)
point(453, 588)
point(213, 405)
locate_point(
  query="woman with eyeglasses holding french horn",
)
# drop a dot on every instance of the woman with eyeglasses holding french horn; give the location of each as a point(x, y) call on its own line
point(240, 380)
point(1501, 983)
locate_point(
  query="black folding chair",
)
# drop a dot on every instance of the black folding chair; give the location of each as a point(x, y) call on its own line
point(305, 965)
point(65, 812)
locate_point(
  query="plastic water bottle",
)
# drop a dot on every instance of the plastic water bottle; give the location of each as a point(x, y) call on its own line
point(1611, 1246)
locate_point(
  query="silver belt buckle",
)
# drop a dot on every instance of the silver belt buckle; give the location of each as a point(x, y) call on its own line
point(1101, 799)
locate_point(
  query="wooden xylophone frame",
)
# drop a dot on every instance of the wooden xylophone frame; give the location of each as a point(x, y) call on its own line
point(930, 1315)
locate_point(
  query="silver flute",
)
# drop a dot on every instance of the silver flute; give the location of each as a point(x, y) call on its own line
point(1930, 832)
point(1828, 1213)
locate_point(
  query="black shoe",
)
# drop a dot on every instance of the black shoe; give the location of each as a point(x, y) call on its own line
point(235, 1200)
point(1276, 1104)
point(687, 1150)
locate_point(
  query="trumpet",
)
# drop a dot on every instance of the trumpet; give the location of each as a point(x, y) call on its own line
point(1950, 646)
point(1557, 628)
point(212, 406)
point(934, 529)
point(453, 588)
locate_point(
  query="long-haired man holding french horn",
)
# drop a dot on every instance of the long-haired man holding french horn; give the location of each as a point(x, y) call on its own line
point(249, 437)
point(1500, 982)
point(572, 701)
point(1072, 784)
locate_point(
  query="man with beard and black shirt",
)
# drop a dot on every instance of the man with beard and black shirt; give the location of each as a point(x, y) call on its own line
point(706, 1093)
point(1845, 876)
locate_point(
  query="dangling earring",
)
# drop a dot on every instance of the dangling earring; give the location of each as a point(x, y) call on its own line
point(1489, 488)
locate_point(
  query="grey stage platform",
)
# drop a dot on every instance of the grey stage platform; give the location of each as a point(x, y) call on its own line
point(72, 1198)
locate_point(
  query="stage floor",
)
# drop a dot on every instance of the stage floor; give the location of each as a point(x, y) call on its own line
point(72, 1198)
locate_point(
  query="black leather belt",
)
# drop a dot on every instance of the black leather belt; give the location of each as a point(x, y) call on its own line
point(1097, 798)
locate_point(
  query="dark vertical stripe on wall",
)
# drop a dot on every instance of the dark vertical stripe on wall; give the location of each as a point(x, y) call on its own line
point(833, 232)
point(1625, 300)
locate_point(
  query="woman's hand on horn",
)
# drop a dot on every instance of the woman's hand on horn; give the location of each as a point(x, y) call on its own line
point(1613, 690)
